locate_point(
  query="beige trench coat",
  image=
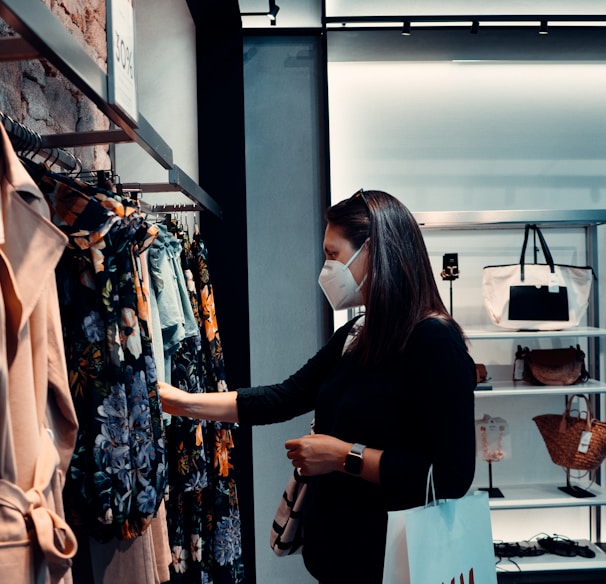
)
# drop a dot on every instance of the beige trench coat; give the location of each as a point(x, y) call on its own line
point(38, 422)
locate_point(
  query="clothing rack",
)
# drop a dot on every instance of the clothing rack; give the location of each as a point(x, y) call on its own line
point(160, 209)
point(30, 144)
point(174, 185)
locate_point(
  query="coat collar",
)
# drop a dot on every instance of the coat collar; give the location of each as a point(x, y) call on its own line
point(31, 244)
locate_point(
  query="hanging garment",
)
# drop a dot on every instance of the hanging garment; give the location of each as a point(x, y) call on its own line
point(175, 313)
point(142, 560)
point(118, 472)
point(38, 421)
point(202, 508)
point(226, 538)
point(159, 528)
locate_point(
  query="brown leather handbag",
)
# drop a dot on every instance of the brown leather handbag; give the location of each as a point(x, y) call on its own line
point(564, 366)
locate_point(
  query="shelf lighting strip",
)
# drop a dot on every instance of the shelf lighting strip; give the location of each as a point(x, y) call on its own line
point(464, 21)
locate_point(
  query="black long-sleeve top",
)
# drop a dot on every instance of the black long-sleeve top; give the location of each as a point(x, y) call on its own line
point(418, 408)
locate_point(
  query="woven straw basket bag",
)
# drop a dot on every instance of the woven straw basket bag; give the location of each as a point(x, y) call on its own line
point(562, 434)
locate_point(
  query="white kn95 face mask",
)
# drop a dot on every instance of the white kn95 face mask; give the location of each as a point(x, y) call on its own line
point(338, 284)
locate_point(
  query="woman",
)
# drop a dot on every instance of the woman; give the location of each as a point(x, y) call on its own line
point(391, 391)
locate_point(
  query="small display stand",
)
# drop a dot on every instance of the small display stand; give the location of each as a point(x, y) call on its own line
point(450, 271)
point(573, 490)
point(493, 492)
point(493, 444)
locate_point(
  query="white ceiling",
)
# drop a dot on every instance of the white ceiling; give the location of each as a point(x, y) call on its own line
point(458, 7)
point(505, 118)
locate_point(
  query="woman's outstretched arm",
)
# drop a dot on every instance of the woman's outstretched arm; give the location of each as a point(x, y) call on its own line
point(220, 406)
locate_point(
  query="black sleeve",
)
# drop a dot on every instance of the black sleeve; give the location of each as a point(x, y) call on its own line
point(296, 395)
point(443, 383)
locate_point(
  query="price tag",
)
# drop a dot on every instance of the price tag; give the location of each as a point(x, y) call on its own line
point(584, 442)
point(121, 71)
point(554, 285)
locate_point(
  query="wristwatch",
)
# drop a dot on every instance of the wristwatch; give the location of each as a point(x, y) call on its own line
point(353, 460)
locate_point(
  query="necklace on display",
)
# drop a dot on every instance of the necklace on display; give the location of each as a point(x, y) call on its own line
point(496, 454)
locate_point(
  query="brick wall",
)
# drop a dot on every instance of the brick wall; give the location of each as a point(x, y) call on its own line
point(36, 94)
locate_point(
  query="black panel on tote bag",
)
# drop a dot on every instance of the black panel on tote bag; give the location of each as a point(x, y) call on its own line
point(536, 296)
point(538, 303)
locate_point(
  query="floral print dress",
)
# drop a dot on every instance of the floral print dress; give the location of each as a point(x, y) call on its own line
point(125, 461)
point(118, 474)
point(202, 507)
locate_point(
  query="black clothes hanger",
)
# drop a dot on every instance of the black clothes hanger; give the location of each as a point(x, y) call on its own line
point(28, 144)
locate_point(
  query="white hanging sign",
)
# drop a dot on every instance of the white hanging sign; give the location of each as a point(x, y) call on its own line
point(121, 72)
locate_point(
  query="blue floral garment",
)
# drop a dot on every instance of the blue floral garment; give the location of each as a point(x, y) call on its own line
point(118, 473)
point(202, 508)
point(227, 537)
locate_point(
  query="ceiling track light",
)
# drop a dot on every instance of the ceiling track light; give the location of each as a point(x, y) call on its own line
point(273, 11)
point(406, 28)
point(471, 23)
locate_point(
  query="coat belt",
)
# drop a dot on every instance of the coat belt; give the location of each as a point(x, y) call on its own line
point(55, 537)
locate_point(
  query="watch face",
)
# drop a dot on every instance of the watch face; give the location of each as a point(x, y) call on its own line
point(353, 464)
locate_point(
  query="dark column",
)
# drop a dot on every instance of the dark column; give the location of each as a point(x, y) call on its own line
point(223, 176)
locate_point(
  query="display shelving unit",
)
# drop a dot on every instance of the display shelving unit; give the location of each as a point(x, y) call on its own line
point(42, 35)
point(546, 568)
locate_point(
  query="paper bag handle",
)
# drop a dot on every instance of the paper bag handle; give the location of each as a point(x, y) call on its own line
point(433, 488)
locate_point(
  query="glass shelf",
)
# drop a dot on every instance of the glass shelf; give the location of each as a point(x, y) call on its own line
point(449, 220)
point(511, 388)
point(494, 332)
point(552, 562)
point(542, 496)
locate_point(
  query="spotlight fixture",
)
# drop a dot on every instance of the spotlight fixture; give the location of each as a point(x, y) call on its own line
point(543, 29)
point(475, 27)
point(273, 11)
point(406, 28)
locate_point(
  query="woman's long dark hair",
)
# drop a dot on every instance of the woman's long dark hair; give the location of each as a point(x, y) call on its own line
point(400, 287)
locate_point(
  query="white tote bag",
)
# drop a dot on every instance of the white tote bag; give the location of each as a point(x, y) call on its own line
point(450, 541)
point(536, 296)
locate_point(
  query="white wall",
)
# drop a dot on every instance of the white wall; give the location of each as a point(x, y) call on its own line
point(480, 134)
point(167, 91)
point(470, 135)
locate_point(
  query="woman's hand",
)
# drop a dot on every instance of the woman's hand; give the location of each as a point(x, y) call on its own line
point(172, 399)
point(316, 454)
